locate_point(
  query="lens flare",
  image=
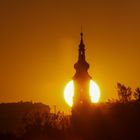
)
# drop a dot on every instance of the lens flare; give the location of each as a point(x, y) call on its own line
point(94, 92)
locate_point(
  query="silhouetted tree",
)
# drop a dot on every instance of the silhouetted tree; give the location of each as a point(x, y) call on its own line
point(33, 123)
point(124, 93)
point(45, 125)
point(137, 94)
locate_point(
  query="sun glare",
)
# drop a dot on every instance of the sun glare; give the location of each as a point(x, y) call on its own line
point(94, 92)
point(69, 93)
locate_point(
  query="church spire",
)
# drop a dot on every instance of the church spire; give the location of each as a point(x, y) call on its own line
point(81, 48)
point(81, 66)
point(81, 77)
point(81, 34)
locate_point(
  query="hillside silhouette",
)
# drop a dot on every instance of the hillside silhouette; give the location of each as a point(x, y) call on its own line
point(11, 114)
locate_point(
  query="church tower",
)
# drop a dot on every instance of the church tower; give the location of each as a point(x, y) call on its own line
point(81, 78)
point(81, 91)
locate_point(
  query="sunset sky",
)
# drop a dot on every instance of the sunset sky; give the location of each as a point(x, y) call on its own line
point(39, 41)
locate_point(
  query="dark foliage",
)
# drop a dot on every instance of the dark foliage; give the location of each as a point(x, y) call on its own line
point(137, 94)
point(124, 93)
point(106, 121)
point(113, 120)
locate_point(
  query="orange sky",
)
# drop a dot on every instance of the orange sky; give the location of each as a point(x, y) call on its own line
point(39, 41)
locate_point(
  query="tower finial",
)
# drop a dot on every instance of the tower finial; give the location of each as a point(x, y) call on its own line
point(81, 31)
point(81, 43)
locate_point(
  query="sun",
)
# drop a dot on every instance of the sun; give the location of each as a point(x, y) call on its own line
point(69, 93)
point(94, 92)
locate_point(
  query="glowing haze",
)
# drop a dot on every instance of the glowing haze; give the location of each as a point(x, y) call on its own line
point(39, 45)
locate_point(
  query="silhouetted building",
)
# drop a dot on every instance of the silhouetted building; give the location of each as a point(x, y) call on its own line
point(81, 109)
point(81, 78)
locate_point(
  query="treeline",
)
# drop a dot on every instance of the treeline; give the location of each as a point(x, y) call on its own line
point(117, 119)
point(126, 94)
point(39, 125)
point(105, 121)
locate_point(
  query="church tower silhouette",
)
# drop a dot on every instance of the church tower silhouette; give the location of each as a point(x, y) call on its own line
point(81, 78)
point(86, 92)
